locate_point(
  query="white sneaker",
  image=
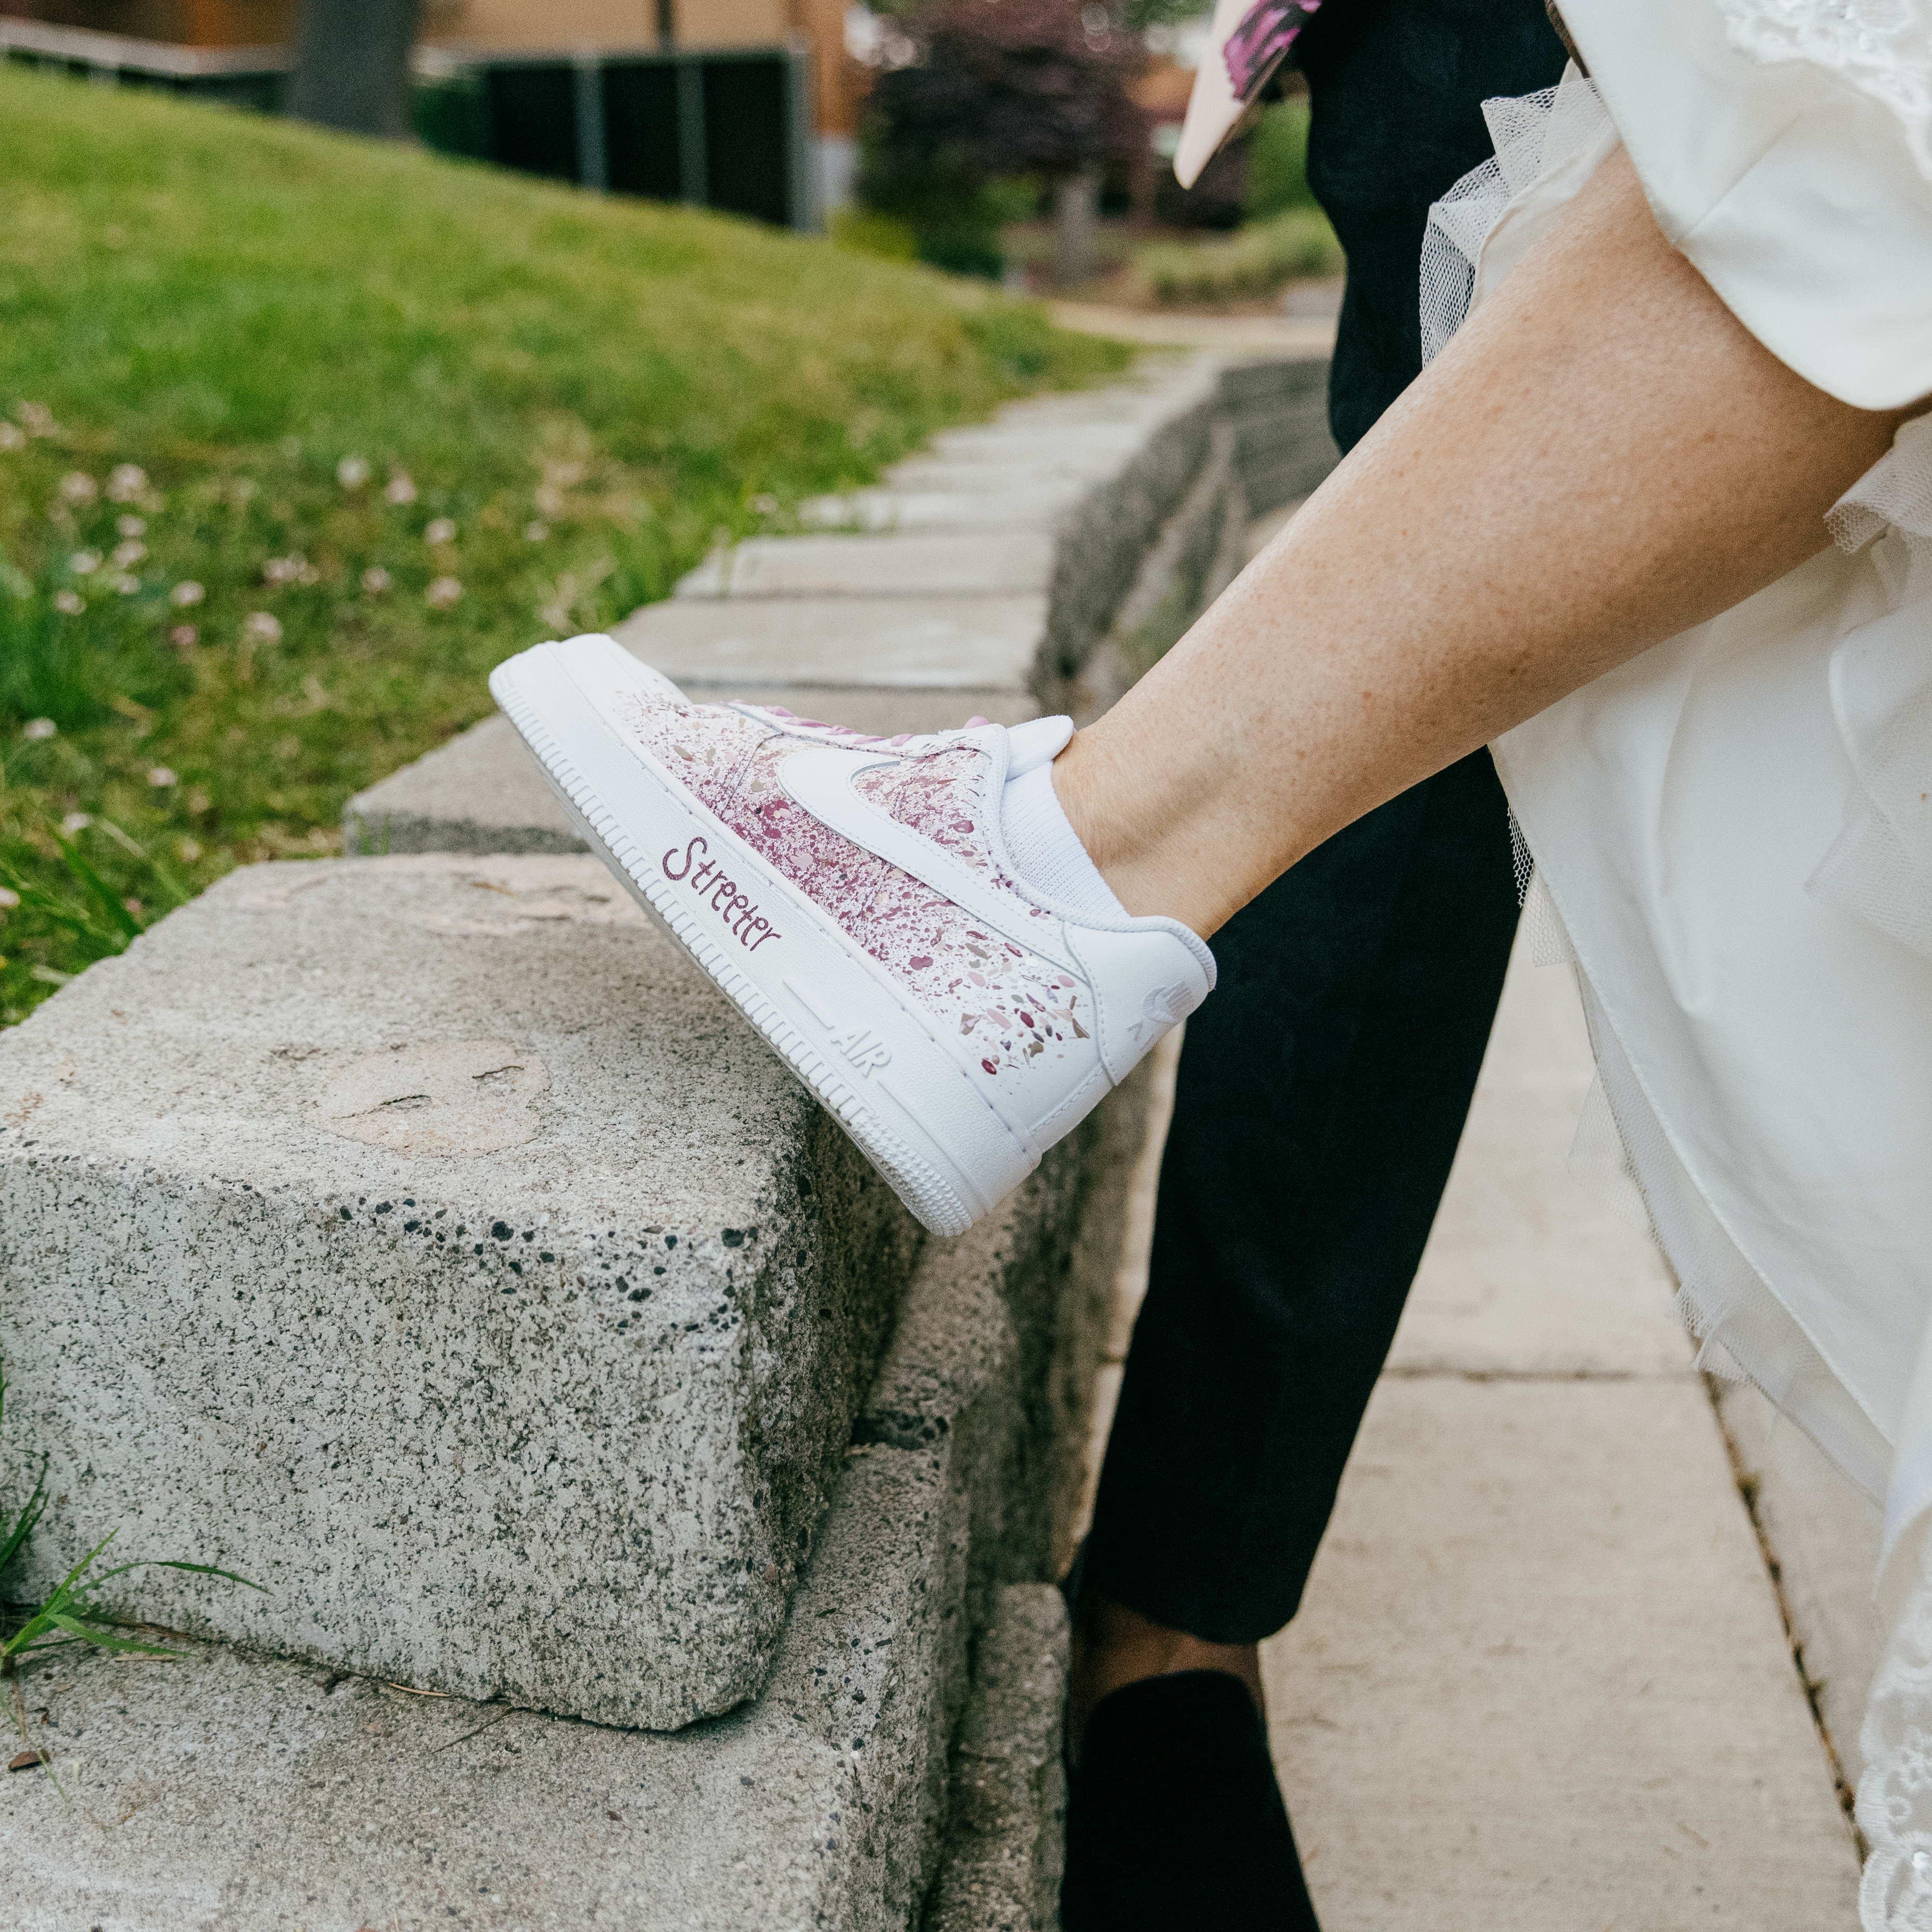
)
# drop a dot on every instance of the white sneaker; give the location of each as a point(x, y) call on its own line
point(853, 896)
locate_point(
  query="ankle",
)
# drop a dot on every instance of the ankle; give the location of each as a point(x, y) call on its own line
point(1114, 1646)
point(1134, 856)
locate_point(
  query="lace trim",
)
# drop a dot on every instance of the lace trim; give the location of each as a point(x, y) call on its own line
point(1895, 1807)
point(1882, 48)
point(1533, 134)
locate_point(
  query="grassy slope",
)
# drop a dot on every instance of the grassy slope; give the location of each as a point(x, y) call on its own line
point(589, 390)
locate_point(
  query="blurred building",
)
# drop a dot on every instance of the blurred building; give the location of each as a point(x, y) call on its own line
point(748, 106)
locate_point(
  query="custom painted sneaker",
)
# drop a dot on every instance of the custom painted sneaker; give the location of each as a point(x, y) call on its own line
point(853, 896)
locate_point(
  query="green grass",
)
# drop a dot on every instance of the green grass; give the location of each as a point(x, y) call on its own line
point(208, 321)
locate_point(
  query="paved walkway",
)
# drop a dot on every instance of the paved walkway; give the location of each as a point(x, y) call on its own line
point(1540, 1682)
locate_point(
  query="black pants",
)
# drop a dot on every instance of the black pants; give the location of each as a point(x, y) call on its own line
point(1324, 1087)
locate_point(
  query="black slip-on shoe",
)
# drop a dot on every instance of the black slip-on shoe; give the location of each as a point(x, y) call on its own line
point(1173, 1818)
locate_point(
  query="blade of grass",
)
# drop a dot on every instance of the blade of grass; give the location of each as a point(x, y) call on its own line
point(31, 1513)
point(101, 1638)
point(174, 1563)
point(101, 891)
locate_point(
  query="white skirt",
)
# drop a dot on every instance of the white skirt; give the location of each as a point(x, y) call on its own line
point(1736, 828)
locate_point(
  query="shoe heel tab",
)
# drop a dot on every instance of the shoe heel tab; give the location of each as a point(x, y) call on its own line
point(1145, 978)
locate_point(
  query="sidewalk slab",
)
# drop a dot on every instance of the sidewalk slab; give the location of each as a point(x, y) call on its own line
point(1540, 1683)
point(1824, 1533)
point(1533, 1266)
point(361, 1239)
point(988, 563)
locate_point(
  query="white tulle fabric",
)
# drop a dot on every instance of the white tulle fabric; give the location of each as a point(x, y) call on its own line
point(1882, 48)
point(1732, 843)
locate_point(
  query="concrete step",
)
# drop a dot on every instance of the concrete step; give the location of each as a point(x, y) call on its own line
point(981, 563)
point(910, 632)
point(233, 1790)
point(426, 1240)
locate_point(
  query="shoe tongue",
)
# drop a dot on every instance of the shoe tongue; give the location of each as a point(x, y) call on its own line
point(1037, 743)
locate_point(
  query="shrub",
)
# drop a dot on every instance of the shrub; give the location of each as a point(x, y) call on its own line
point(1262, 258)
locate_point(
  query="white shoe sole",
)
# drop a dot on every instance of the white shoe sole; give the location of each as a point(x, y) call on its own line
point(833, 1015)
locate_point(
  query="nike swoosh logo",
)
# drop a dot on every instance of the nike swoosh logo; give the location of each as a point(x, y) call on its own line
point(820, 779)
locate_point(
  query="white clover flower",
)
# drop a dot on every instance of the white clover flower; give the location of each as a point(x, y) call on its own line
point(84, 562)
point(9, 899)
point(766, 505)
point(77, 486)
point(442, 593)
point(12, 436)
point(184, 637)
point(35, 729)
point(75, 821)
point(69, 603)
point(375, 580)
point(126, 481)
point(260, 628)
point(127, 554)
point(185, 593)
point(550, 499)
point(352, 471)
point(189, 850)
point(160, 777)
point(280, 570)
point(124, 584)
point(400, 487)
point(131, 526)
point(37, 419)
point(535, 531)
point(439, 530)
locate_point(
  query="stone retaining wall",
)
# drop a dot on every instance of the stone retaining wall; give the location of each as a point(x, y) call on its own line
point(420, 1235)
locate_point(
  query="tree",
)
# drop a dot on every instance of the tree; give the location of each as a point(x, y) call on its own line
point(352, 67)
point(1000, 89)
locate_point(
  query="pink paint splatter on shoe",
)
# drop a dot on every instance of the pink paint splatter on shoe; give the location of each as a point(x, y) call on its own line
point(1014, 1010)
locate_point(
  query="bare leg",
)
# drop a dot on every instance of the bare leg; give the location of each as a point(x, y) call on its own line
point(1603, 457)
point(1114, 1645)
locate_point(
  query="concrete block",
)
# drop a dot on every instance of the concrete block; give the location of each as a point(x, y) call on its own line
point(482, 792)
point(361, 1237)
point(988, 563)
point(1257, 381)
point(995, 474)
point(1002, 1865)
point(1025, 505)
point(1539, 1682)
point(994, 654)
point(1102, 444)
point(918, 642)
point(248, 1791)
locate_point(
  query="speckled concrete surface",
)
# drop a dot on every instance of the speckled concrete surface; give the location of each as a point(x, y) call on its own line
point(1003, 1864)
point(230, 1792)
point(363, 1237)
